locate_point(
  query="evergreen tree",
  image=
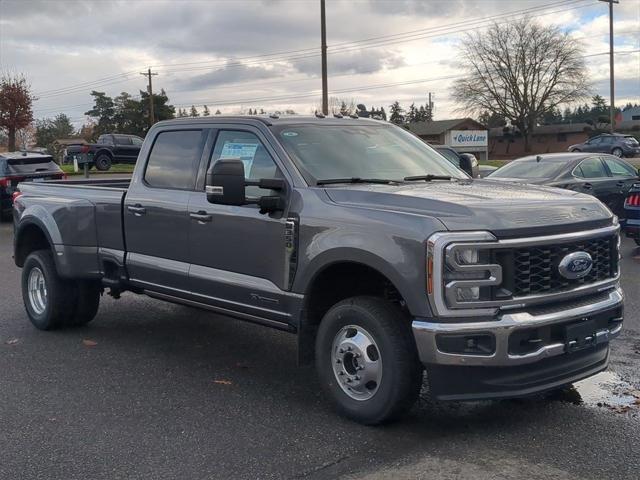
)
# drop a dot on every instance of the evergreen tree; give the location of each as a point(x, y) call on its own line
point(383, 114)
point(218, 112)
point(194, 112)
point(103, 111)
point(205, 112)
point(396, 113)
point(413, 115)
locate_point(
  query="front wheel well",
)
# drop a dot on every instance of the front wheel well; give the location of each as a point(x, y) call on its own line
point(30, 239)
point(335, 283)
point(104, 151)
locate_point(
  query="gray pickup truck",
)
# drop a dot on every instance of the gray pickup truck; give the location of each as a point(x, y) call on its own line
point(383, 258)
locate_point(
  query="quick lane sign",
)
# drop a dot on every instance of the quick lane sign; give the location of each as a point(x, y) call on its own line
point(468, 138)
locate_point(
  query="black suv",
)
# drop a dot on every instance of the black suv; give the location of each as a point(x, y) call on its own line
point(615, 143)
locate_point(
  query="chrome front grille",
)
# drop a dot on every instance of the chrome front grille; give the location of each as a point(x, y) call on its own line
point(536, 268)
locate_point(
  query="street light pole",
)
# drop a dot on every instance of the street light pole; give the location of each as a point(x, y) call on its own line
point(612, 109)
point(323, 34)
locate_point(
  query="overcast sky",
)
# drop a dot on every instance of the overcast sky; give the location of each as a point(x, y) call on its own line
point(240, 54)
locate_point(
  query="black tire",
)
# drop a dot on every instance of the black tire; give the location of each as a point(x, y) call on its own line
point(87, 304)
point(637, 240)
point(617, 152)
point(103, 162)
point(575, 150)
point(60, 297)
point(401, 370)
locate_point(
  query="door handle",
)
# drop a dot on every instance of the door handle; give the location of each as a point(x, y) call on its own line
point(138, 210)
point(620, 184)
point(201, 216)
point(587, 186)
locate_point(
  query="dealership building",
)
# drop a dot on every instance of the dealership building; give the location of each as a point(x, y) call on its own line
point(463, 134)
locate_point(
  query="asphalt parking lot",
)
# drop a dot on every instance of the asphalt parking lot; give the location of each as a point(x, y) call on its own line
point(153, 390)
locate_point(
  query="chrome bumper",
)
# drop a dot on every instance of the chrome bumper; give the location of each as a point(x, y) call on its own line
point(425, 334)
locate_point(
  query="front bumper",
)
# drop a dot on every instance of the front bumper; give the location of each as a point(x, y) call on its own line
point(503, 372)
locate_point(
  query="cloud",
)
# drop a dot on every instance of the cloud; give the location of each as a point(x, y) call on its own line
point(357, 62)
point(233, 73)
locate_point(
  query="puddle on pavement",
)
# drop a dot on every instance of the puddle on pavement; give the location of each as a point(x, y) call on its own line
point(605, 390)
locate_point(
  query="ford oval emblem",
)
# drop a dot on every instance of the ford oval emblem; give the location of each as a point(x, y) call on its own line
point(575, 265)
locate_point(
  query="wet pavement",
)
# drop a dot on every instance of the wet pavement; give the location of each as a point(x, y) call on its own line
point(153, 390)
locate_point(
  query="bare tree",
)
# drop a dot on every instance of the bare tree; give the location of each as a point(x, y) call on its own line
point(520, 71)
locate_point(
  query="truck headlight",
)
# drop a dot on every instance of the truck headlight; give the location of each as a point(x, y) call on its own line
point(461, 270)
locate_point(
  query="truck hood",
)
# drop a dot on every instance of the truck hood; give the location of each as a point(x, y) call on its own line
point(477, 204)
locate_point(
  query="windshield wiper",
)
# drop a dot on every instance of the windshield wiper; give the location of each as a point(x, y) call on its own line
point(330, 181)
point(426, 178)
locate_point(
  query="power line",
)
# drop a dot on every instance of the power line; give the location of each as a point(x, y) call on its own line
point(350, 46)
point(254, 100)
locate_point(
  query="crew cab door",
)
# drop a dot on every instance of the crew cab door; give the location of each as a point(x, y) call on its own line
point(124, 150)
point(238, 255)
point(156, 219)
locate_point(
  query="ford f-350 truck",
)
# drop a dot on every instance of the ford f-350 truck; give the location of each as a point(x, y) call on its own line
point(383, 258)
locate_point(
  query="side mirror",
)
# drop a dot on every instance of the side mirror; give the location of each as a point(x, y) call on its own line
point(225, 182)
point(469, 164)
point(225, 185)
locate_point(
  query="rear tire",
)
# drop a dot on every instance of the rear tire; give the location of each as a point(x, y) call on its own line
point(617, 152)
point(103, 162)
point(575, 150)
point(52, 302)
point(48, 299)
point(367, 343)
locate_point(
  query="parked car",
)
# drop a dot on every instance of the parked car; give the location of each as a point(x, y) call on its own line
point(353, 234)
point(486, 170)
point(110, 149)
point(16, 167)
point(632, 214)
point(467, 162)
point(606, 177)
point(616, 144)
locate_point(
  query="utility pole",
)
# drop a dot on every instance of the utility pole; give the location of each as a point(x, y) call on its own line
point(612, 110)
point(152, 117)
point(323, 34)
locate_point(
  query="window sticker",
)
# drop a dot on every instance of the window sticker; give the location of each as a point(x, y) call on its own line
point(244, 151)
point(289, 134)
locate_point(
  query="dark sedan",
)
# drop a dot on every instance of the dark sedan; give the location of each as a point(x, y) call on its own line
point(632, 211)
point(606, 177)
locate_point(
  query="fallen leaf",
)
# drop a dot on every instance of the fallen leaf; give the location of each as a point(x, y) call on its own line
point(223, 382)
point(89, 343)
point(11, 341)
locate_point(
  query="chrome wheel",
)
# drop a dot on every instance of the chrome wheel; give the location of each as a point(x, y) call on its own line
point(357, 364)
point(617, 152)
point(37, 291)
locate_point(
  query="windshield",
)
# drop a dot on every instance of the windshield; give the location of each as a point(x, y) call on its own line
point(529, 169)
point(362, 151)
point(631, 140)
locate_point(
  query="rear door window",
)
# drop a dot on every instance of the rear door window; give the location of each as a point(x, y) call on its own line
point(174, 159)
point(122, 140)
point(591, 168)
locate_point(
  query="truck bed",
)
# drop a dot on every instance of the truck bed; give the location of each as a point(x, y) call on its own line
point(86, 214)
